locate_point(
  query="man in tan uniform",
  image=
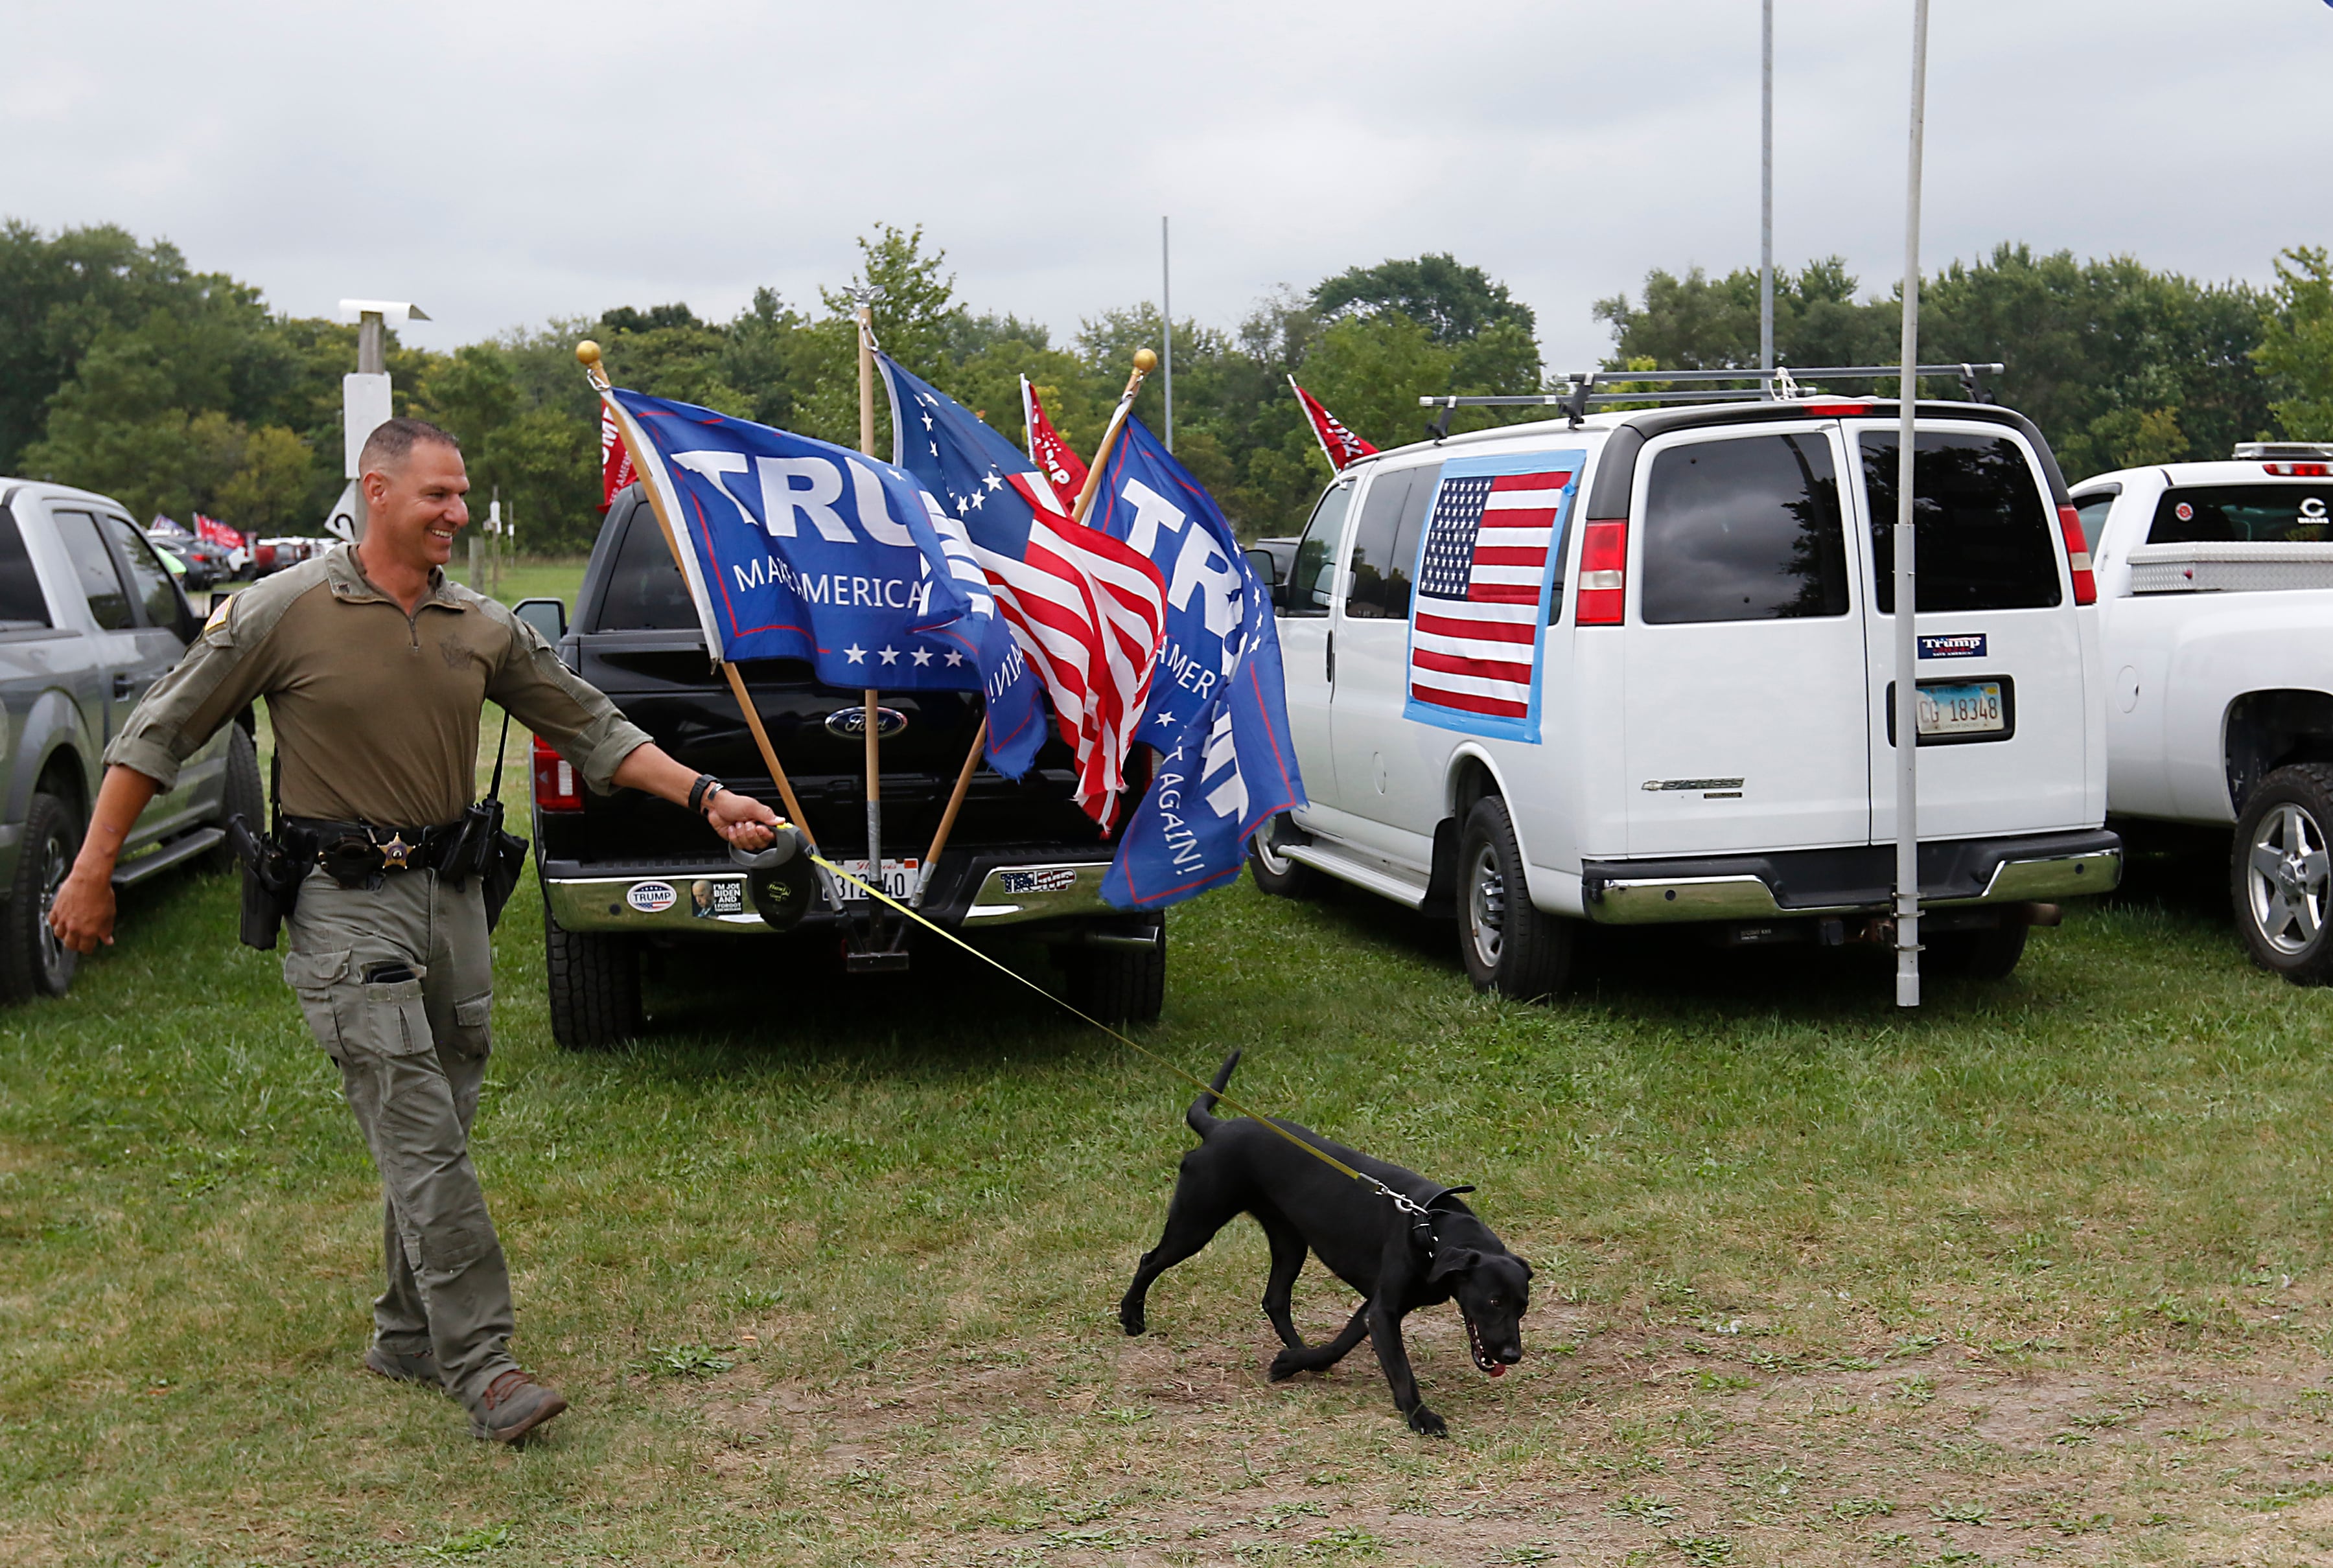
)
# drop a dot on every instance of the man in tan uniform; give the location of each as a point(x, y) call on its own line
point(375, 667)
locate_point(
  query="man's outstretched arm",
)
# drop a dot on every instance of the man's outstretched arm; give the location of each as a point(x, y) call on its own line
point(83, 914)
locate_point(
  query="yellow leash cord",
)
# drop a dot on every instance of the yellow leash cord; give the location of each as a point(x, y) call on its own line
point(1401, 1201)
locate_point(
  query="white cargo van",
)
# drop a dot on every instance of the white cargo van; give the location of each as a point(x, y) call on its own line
point(1636, 667)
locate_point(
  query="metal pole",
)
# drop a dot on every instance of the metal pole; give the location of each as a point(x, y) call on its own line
point(373, 341)
point(1167, 310)
point(874, 733)
point(1908, 649)
point(1766, 201)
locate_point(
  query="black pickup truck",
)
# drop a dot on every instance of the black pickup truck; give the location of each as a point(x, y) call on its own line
point(624, 872)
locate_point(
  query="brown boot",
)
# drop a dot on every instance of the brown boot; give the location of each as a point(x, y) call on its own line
point(514, 1405)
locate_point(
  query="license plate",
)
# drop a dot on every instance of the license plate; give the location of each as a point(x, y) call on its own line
point(898, 877)
point(1974, 709)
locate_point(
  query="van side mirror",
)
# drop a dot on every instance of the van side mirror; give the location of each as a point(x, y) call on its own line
point(1266, 565)
point(548, 616)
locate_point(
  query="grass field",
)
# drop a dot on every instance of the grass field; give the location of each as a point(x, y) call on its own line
point(828, 1268)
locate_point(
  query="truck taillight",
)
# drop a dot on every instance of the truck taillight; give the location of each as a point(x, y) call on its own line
point(556, 788)
point(1603, 571)
point(2077, 555)
point(2299, 470)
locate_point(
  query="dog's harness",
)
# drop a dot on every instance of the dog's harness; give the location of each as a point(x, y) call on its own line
point(1421, 1215)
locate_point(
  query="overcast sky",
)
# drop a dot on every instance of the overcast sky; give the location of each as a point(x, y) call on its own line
point(503, 163)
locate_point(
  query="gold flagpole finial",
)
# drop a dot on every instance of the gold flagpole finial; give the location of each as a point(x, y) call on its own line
point(1144, 361)
point(587, 354)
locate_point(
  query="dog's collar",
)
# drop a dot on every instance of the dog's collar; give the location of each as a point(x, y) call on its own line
point(1422, 1214)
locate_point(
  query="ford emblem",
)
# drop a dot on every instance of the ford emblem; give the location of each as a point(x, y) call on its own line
point(851, 723)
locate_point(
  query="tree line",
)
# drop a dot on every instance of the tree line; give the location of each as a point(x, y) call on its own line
point(124, 370)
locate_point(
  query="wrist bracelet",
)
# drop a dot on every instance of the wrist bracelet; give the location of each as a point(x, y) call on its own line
point(706, 787)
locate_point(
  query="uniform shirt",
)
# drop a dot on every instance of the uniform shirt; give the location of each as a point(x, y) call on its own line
point(376, 712)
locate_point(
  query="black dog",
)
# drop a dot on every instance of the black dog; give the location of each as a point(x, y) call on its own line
point(1398, 1261)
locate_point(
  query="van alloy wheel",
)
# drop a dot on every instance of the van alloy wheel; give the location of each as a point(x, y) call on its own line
point(2288, 877)
point(1272, 871)
point(1486, 905)
point(1509, 945)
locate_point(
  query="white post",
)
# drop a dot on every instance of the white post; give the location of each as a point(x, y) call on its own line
point(1167, 311)
point(1908, 647)
point(1766, 202)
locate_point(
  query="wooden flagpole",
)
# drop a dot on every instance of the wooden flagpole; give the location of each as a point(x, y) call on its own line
point(587, 353)
point(1145, 362)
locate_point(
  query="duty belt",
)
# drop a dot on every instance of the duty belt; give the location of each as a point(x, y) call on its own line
point(356, 852)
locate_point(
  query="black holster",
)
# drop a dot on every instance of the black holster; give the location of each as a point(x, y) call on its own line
point(270, 883)
point(482, 850)
point(485, 851)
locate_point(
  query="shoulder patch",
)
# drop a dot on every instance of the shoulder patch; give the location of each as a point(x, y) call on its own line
point(219, 612)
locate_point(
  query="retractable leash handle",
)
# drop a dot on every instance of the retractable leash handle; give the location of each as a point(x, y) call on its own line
point(1401, 1201)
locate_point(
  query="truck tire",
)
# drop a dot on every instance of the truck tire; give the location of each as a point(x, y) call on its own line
point(594, 982)
point(244, 796)
point(1509, 945)
point(1986, 954)
point(33, 962)
point(1274, 873)
point(2281, 875)
point(1117, 985)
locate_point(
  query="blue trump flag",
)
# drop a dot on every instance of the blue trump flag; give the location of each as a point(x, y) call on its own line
point(795, 549)
point(1217, 714)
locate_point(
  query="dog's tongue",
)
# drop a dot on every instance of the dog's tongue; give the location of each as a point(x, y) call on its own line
point(1495, 1370)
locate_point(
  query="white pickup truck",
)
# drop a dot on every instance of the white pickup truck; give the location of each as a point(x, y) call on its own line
point(2215, 601)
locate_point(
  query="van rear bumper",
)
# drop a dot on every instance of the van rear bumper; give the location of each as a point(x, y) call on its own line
point(1852, 881)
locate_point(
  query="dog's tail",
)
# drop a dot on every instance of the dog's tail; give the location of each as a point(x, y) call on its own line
point(1202, 1113)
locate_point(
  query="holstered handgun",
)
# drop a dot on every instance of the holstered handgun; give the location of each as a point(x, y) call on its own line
point(270, 883)
point(483, 849)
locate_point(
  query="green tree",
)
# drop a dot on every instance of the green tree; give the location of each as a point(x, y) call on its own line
point(2119, 365)
point(1450, 301)
point(2296, 346)
point(272, 490)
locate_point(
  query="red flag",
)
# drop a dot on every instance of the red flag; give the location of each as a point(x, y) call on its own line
point(1341, 446)
point(217, 532)
point(615, 460)
point(1049, 451)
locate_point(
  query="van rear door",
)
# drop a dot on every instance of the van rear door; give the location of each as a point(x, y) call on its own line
point(2003, 700)
point(1746, 664)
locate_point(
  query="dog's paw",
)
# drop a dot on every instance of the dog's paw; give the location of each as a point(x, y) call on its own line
point(1132, 1322)
point(1427, 1424)
point(1286, 1365)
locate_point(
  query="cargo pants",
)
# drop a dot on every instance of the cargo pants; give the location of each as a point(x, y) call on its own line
point(412, 1054)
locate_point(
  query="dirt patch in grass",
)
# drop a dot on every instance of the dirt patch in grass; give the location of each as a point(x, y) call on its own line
point(1652, 1446)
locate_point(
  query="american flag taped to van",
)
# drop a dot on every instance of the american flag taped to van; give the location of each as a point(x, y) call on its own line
point(1479, 615)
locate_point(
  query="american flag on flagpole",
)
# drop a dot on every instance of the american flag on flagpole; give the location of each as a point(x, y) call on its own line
point(1479, 612)
point(1088, 610)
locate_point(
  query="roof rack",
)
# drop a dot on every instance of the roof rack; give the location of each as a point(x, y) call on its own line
point(1780, 385)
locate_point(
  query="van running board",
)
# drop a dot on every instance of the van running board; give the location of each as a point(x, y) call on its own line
point(177, 852)
point(1380, 880)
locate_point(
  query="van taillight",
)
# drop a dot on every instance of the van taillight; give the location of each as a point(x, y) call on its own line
point(2299, 470)
point(2077, 555)
point(1603, 571)
point(556, 788)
